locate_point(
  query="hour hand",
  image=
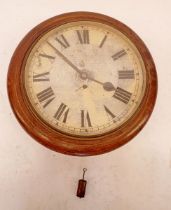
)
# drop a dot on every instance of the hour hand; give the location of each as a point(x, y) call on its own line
point(108, 86)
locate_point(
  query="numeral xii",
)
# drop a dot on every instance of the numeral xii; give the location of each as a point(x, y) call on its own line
point(83, 36)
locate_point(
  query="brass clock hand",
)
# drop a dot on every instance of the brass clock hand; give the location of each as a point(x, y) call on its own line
point(64, 58)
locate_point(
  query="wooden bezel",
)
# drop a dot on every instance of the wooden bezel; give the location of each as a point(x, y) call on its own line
point(61, 142)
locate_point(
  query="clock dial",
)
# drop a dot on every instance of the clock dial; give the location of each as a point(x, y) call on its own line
point(84, 78)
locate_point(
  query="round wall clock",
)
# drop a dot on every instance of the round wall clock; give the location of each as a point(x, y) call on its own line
point(82, 83)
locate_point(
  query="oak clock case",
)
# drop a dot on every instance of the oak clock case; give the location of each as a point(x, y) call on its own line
point(82, 83)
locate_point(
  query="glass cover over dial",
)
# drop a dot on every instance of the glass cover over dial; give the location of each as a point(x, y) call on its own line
point(84, 78)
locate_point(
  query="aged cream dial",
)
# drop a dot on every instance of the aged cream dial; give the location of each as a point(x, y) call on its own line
point(84, 78)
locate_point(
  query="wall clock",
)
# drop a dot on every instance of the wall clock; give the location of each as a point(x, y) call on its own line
point(82, 83)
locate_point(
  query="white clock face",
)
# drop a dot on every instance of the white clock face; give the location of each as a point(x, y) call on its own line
point(84, 78)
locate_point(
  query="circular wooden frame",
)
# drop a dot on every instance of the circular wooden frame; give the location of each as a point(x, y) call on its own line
point(61, 142)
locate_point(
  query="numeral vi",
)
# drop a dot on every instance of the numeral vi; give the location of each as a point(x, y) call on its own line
point(85, 119)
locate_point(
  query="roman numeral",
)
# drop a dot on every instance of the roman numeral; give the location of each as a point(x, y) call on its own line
point(118, 55)
point(62, 111)
point(41, 77)
point(62, 41)
point(83, 36)
point(126, 74)
point(46, 96)
point(103, 41)
point(109, 112)
point(85, 119)
point(46, 56)
point(122, 95)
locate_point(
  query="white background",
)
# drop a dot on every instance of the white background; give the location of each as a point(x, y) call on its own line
point(136, 176)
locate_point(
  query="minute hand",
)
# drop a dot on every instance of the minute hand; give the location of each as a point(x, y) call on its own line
point(108, 86)
point(64, 58)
